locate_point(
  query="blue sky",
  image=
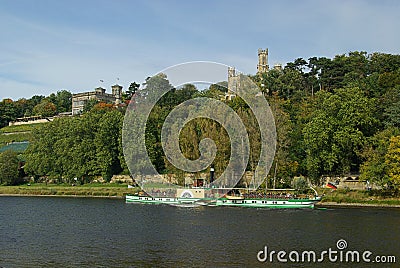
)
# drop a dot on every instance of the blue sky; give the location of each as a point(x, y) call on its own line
point(51, 45)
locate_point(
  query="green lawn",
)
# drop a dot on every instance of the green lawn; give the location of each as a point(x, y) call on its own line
point(20, 128)
point(107, 190)
point(17, 137)
point(356, 196)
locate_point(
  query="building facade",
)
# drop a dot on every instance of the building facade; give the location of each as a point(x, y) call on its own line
point(79, 100)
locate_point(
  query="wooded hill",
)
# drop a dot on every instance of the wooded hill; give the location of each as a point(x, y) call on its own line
point(333, 117)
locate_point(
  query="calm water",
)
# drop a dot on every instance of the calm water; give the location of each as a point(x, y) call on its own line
point(84, 232)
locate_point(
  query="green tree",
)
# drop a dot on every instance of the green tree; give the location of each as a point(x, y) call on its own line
point(8, 112)
point(133, 88)
point(286, 167)
point(374, 168)
point(392, 160)
point(107, 144)
point(45, 108)
point(9, 168)
point(63, 101)
point(88, 106)
point(337, 130)
point(77, 147)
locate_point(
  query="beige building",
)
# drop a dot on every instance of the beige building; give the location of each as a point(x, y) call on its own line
point(233, 77)
point(79, 99)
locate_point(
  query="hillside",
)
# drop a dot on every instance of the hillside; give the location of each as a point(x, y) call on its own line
point(11, 134)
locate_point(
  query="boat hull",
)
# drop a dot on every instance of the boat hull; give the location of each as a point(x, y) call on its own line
point(269, 203)
point(252, 203)
point(178, 201)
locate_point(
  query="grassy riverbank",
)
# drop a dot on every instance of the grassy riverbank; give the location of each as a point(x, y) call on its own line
point(357, 198)
point(90, 190)
point(330, 198)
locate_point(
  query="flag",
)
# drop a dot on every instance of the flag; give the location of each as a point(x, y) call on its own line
point(331, 185)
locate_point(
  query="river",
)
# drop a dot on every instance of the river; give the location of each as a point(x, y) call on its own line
point(96, 232)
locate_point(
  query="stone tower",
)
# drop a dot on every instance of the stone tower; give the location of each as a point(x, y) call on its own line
point(117, 93)
point(262, 66)
point(233, 83)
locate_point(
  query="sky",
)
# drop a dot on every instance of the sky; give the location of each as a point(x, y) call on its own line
point(47, 45)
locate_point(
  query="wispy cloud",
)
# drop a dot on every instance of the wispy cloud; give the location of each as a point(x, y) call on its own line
point(72, 45)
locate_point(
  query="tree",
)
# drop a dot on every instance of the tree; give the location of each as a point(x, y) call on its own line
point(8, 112)
point(300, 183)
point(89, 104)
point(133, 88)
point(63, 101)
point(287, 167)
point(77, 147)
point(392, 160)
point(374, 168)
point(334, 136)
point(45, 108)
point(107, 144)
point(9, 168)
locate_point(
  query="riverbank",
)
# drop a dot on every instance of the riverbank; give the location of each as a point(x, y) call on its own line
point(88, 190)
point(356, 198)
point(338, 198)
point(334, 204)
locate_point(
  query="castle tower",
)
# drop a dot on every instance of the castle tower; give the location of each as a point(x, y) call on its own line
point(117, 93)
point(262, 66)
point(231, 79)
point(233, 83)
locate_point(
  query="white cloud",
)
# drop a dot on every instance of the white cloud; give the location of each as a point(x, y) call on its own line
point(43, 54)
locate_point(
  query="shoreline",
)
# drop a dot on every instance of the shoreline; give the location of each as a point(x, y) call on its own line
point(318, 205)
point(355, 205)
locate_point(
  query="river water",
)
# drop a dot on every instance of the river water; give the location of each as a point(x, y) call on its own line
point(95, 232)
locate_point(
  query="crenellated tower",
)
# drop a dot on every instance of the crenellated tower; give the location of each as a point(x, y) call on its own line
point(117, 93)
point(262, 66)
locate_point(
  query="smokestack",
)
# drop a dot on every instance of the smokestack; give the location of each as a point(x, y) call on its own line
point(212, 174)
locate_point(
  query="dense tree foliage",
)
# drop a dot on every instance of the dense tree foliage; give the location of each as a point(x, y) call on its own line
point(333, 116)
point(82, 147)
point(9, 173)
point(37, 105)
